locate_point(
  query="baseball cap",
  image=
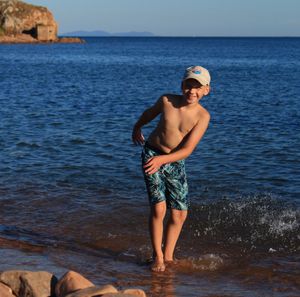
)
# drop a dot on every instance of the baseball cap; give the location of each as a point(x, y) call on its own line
point(198, 73)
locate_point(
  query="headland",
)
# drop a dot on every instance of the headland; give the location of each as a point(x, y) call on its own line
point(21, 22)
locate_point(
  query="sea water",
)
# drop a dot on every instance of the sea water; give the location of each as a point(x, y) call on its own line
point(72, 194)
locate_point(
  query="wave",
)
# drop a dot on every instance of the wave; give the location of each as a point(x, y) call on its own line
point(260, 223)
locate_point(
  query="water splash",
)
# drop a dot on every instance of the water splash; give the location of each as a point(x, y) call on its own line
point(253, 223)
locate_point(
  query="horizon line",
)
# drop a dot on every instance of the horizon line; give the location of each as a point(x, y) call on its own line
point(184, 36)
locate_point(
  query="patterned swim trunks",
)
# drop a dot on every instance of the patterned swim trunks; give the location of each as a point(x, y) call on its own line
point(168, 184)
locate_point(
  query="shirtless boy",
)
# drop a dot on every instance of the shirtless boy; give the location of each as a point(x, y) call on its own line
point(183, 122)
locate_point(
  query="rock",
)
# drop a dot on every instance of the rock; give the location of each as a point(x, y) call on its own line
point(25, 23)
point(134, 292)
point(5, 291)
point(70, 40)
point(43, 284)
point(29, 284)
point(94, 291)
point(18, 17)
point(71, 282)
point(19, 38)
point(25, 38)
point(127, 293)
point(38, 284)
point(119, 294)
point(12, 279)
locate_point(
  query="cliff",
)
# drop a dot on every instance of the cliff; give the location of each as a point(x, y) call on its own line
point(25, 23)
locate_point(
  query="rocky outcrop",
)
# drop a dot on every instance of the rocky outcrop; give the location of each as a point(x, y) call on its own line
point(18, 17)
point(19, 283)
point(25, 38)
point(26, 23)
point(70, 40)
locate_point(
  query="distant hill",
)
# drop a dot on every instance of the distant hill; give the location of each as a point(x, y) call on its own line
point(100, 33)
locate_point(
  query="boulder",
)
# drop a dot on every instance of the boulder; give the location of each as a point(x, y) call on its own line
point(127, 293)
point(71, 282)
point(134, 292)
point(6, 291)
point(22, 283)
point(12, 279)
point(94, 291)
point(38, 284)
point(29, 284)
point(119, 294)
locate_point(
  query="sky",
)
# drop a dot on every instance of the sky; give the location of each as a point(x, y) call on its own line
point(178, 17)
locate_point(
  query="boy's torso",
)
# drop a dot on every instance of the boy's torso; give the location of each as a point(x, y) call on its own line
point(175, 123)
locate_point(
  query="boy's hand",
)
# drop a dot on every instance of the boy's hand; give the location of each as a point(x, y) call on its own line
point(153, 164)
point(137, 136)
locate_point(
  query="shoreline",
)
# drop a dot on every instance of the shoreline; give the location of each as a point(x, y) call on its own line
point(123, 274)
point(27, 39)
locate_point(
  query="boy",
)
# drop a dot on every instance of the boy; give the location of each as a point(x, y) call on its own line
point(183, 122)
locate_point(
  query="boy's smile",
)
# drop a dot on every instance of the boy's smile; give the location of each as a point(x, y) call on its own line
point(193, 91)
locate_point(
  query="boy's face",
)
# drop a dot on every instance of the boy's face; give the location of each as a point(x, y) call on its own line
point(193, 91)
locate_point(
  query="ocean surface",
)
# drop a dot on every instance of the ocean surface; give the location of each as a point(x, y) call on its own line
point(72, 195)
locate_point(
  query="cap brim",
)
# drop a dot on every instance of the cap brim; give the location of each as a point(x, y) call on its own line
point(203, 82)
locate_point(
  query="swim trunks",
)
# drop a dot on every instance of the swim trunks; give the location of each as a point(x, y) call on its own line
point(168, 184)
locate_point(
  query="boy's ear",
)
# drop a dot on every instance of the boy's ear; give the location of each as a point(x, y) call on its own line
point(206, 90)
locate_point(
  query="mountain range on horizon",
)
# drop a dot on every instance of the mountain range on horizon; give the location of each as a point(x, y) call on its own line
point(100, 33)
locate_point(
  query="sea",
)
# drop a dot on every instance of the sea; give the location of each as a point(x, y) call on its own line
point(72, 194)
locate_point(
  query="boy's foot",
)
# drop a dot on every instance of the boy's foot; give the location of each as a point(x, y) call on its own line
point(175, 261)
point(158, 266)
point(171, 262)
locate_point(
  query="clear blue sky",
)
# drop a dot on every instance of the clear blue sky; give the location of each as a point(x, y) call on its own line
point(179, 17)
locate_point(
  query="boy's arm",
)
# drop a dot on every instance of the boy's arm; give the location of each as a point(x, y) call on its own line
point(147, 116)
point(184, 151)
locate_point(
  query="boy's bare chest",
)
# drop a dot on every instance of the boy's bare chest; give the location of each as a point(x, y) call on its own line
point(177, 120)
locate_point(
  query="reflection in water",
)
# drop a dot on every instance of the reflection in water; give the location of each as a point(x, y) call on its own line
point(163, 284)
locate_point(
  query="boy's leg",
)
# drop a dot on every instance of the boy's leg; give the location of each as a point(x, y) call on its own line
point(174, 227)
point(157, 215)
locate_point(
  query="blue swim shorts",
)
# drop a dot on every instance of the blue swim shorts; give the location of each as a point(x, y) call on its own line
point(168, 184)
